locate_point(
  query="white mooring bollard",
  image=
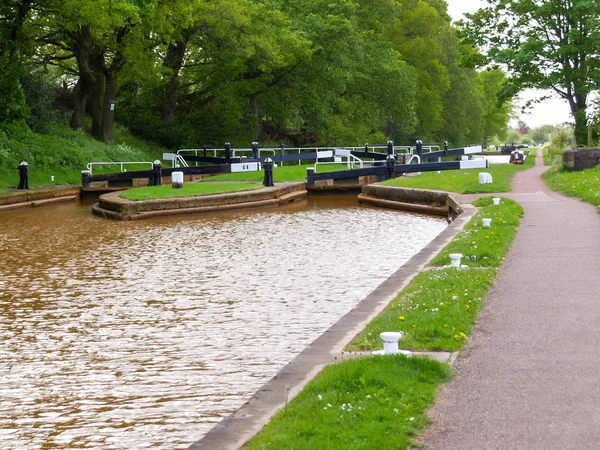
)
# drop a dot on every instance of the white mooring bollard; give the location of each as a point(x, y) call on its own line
point(177, 180)
point(487, 222)
point(390, 341)
point(485, 178)
point(455, 259)
point(390, 344)
point(496, 200)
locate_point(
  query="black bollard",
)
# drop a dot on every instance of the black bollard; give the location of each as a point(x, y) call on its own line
point(85, 178)
point(268, 166)
point(366, 148)
point(227, 153)
point(390, 147)
point(255, 150)
point(445, 148)
point(23, 175)
point(156, 178)
point(419, 147)
point(310, 172)
point(391, 162)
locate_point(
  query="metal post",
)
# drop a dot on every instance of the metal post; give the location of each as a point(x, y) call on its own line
point(282, 153)
point(255, 150)
point(391, 162)
point(390, 147)
point(366, 148)
point(445, 148)
point(156, 178)
point(227, 153)
point(419, 147)
point(268, 166)
point(23, 175)
point(85, 178)
point(310, 172)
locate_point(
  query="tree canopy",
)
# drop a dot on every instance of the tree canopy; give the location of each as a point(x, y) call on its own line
point(545, 44)
point(192, 72)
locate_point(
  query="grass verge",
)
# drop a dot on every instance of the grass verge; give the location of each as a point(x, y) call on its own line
point(582, 184)
point(382, 402)
point(465, 181)
point(64, 153)
point(280, 174)
point(364, 403)
point(188, 190)
point(483, 246)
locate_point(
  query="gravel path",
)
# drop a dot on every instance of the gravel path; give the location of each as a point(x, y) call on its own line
point(529, 378)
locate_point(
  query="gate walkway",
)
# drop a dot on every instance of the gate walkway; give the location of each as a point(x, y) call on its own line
point(530, 376)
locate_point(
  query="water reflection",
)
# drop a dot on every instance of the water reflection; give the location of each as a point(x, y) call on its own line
point(134, 335)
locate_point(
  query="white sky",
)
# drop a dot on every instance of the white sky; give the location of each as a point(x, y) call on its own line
point(552, 111)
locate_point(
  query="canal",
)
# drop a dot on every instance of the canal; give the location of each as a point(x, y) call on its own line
point(121, 335)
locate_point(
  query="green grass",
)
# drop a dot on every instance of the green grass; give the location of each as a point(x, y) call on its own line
point(188, 190)
point(280, 174)
point(552, 156)
point(485, 247)
point(584, 184)
point(376, 403)
point(465, 181)
point(435, 312)
point(64, 153)
point(438, 308)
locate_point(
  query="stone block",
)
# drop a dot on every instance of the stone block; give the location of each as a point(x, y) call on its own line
point(580, 158)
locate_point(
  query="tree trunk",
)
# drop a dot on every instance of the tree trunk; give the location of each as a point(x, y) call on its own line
point(578, 109)
point(78, 116)
point(97, 100)
point(80, 44)
point(109, 99)
point(108, 108)
point(173, 61)
point(389, 128)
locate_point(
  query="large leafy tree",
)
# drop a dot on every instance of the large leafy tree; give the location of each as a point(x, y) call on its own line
point(545, 44)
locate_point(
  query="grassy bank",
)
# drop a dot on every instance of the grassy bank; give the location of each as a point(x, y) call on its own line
point(583, 184)
point(465, 181)
point(64, 153)
point(281, 174)
point(355, 404)
point(188, 190)
point(377, 403)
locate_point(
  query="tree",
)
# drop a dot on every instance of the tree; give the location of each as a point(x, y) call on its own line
point(522, 128)
point(13, 16)
point(546, 45)
point(94, 35)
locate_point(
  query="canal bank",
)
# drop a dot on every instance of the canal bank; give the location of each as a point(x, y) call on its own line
point(113, 206)
point(46, 195)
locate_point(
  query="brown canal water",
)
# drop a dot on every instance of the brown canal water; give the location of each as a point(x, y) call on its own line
point(122, 335)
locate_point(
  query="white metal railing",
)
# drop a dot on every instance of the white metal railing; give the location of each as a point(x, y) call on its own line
point(179, 161)
point(340, 153)
point(381, 149)
point(234, 153)
point(112, 163)
point(417, 157)
point(196, 150)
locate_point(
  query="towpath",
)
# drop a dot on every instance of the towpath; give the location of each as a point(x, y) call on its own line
point(530, 378)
